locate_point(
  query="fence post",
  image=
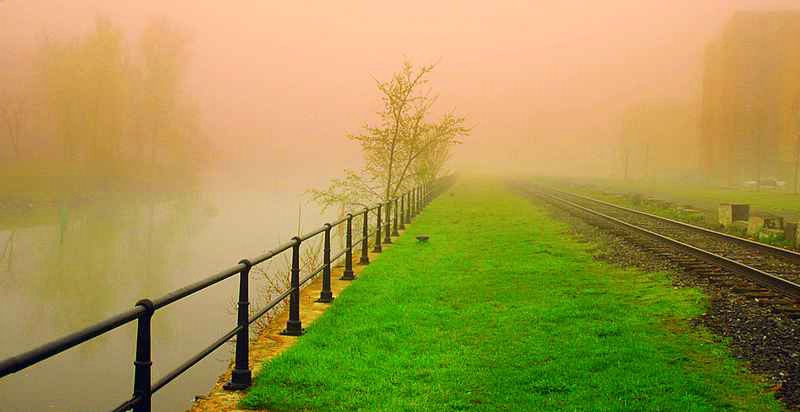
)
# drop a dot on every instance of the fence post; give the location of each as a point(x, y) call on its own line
point(326, 295)
point(365, 239)
point(143, 363)
point(378, 248)
point(348, 251)
point(294, 327)
point(387, 239)
point(394, 226)
point(241, 377)
point(403, 212)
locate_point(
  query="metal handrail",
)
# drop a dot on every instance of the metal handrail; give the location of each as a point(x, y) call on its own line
point(412, 202)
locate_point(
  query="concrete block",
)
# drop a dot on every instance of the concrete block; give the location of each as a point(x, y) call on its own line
point(773, 222)
point(732, 212)
point(738, 227)
point(754, 225)
point(791, 234)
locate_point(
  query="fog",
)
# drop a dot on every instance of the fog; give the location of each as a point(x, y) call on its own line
point(278, 84)
point(159, 141)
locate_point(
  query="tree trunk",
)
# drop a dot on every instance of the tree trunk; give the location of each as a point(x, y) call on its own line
point(796, 162)
point(625, 160)
point(758, 162)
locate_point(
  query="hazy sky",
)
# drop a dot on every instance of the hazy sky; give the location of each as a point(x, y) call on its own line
point(278, 82)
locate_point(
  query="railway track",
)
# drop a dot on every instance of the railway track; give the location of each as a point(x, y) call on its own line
point(762, 272)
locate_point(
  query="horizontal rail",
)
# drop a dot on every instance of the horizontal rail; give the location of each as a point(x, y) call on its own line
point(24, 360)
point(268, 306)
point(167, 378)
point(311, 275)
point(196, 287)
point(339, 222)
point(272, 253)
point(128, 405)
point(337, 256)
point(311, 234)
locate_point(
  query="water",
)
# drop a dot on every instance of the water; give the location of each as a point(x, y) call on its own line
point(62, 269)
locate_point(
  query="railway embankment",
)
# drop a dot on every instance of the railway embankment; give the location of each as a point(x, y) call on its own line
point(750, 290)
point(505, 308)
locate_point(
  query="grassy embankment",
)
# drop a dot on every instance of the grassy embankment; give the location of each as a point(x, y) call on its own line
point(503, 310)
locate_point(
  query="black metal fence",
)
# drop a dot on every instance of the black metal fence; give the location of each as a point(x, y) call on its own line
point(394, 218)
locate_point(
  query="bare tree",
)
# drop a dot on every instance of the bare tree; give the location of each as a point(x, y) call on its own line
point(404, 148)
point(797, 147)
point(796, 161)
point(626, 157)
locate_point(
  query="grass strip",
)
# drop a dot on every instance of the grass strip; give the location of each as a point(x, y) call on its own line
point(502, 309)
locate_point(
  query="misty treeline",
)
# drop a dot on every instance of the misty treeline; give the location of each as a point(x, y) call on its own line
point(745, 128)
point(406, 147)
point(101, 110)
point(654, 139)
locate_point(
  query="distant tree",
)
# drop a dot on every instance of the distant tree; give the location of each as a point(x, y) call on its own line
point(797, 149)
point(625, 152)
point(165, 122)
point(120, 113)
point(403, 149)
point(629, 139)
point(653, 139)
point(797, 162)
point(13, 115)
point(86, 88)
point(432, 162)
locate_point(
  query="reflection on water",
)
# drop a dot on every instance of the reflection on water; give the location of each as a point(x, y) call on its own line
point(61, 270)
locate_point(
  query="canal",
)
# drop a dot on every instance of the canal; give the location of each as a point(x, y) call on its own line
point(65, 267)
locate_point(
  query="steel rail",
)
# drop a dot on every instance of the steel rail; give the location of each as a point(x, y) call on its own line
point(786, 253)
point(762, 278)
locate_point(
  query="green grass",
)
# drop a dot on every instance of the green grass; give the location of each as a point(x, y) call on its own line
point(502, 309)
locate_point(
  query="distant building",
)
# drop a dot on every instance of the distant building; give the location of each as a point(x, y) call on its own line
point(751, 97)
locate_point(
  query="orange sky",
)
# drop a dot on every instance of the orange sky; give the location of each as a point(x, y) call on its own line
point(281, 82)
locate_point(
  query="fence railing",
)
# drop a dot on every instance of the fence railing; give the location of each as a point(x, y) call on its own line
point(395, 218)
